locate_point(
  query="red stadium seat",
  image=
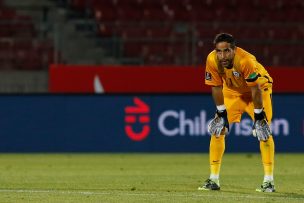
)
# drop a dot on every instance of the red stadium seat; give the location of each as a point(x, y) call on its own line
point(17, 37)
point(203, 19)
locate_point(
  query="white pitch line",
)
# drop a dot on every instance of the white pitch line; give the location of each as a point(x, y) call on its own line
point(146, 194)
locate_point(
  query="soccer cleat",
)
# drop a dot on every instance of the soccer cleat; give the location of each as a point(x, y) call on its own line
point(210, 185)
point(267, 186)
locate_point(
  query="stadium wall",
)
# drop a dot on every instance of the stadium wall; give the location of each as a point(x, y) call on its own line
point(152, 79)
point(134, 123)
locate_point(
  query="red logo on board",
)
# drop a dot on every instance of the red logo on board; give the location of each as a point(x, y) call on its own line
point(137, 114)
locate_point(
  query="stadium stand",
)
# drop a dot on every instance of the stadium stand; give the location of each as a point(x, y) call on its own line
point(21, 46)
point(171, 32)
point(148, 31)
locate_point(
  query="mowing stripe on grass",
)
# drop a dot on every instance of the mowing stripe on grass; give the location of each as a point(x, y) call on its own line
point(148, 194)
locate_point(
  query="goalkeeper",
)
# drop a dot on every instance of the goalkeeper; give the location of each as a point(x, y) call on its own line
point(239, 84)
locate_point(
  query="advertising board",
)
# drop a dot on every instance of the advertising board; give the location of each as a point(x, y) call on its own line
point(134, 123)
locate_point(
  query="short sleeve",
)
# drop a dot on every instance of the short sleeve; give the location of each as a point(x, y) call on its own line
point(211, 73)
point(250, 71)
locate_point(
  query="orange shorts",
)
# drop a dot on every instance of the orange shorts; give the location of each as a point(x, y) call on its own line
point(237, 105)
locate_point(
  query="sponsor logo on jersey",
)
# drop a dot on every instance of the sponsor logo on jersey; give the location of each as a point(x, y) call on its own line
point(208, 76)
point(236, 74)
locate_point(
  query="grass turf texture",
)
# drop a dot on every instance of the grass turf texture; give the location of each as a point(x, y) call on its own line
point(143, 178)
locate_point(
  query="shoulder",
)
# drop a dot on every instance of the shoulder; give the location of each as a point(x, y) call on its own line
point(243, 54)
point(245, 58)
point(211, 58)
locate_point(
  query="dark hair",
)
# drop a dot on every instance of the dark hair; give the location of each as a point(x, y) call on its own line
point(224, 37)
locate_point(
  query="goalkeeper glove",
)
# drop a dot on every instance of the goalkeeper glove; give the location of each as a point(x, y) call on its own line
point(219, 123)
point(223, 114)
point(261, 128)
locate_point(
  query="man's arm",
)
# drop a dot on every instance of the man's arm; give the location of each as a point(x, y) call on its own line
point(261, 128)
point(257, 97)
point(217, 94)
point(219, 125)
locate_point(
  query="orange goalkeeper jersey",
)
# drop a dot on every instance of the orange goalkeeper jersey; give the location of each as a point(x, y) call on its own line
point(246, 72)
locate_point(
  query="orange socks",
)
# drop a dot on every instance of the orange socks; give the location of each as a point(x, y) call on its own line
point(216, 151)
point(217, 148)
point(267, 152)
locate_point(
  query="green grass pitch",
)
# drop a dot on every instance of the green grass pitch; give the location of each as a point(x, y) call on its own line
point(143, 178)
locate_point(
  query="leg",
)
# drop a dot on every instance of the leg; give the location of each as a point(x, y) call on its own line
point(267, 147)
point(234, 107)
point(216, 151)
point(267, 153)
